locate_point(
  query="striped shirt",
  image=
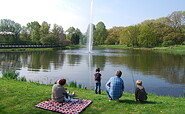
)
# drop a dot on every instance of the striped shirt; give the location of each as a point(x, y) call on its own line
point(116, 87)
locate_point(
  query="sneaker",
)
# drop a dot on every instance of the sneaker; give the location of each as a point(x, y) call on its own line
point(110, 99)
point(73, 93)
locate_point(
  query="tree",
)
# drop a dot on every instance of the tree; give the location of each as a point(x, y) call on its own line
point(147, 37)
point(9, 30)
point(100, 34)
point(49, 39)
point(73, 35)
point(132, 39)
point(113, 35)
point(176, 19)
point(24, 35)
point(44, 29)
point(59, 33)
point(34, 30)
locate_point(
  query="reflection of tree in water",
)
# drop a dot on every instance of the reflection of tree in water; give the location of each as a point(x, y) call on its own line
point(99, 61)
point(32, 60)
point(167, 66)
point(74, 59)
point(42, 60)
point(9, 62)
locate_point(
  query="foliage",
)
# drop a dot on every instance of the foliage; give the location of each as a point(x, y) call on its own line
point(34, 30)
point(73, 84)
point(73, 35)
point(147, 37)
point(113, 35)
point(183, 43)
point(167, 43)
point(49, 39)
point(10, 75)
point(100, 34)
point(59, 33)
point(23, 79)
point(149, 33)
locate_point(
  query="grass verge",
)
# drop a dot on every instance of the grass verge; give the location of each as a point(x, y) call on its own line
point(20, 97)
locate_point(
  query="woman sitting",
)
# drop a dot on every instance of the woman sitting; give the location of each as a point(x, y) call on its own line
point(59, 93)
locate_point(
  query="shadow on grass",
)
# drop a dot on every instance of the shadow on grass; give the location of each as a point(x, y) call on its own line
point(134, 102)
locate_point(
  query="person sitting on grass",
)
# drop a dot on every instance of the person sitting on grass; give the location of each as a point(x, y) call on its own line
point(115, 87)
point(140, 93)
point(59, 93)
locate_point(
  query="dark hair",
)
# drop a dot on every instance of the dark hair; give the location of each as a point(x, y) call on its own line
point(98, 70)
point(118, 73)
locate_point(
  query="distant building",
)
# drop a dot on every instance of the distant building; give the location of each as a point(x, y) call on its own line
point(5, 33)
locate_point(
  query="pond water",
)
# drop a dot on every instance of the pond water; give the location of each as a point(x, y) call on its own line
point(161, 73)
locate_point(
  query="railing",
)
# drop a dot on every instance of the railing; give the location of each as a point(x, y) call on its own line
point(9, 46)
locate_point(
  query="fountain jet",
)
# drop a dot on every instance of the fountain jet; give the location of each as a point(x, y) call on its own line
point(90, 35)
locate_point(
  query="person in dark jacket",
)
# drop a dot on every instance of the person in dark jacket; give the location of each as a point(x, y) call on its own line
point(140, 93)
point(97, 78)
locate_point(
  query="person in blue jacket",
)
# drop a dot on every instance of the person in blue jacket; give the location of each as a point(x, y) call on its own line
point(115, 86)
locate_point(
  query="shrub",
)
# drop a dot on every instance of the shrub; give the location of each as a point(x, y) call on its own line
point(23, 79)
point(10, 75)
point(168, 43)
point(73, 84)
point(183, 43)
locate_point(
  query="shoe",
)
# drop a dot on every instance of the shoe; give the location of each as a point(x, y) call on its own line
point(110, 99)
point(73, 93)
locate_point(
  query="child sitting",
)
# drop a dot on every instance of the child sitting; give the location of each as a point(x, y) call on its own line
point(140, 93)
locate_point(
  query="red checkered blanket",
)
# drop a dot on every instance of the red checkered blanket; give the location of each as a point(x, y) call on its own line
point(69, 107)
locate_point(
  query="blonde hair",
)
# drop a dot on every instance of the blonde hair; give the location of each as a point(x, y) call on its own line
point(139, 82)
point(118, 73)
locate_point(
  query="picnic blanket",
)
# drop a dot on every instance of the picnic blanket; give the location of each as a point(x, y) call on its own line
point(70, 107)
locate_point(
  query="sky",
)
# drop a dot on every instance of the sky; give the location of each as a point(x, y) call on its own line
point(77, 13)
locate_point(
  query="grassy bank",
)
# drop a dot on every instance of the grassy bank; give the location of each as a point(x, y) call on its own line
point(20, 97)
point(177, 49)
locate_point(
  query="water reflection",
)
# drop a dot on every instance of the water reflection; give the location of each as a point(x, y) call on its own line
point(157, 70)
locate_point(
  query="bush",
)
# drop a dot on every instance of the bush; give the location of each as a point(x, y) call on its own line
point(183, 43)
point(168, 43)
point(23, 79)
point(10, 75)
point(73, 84)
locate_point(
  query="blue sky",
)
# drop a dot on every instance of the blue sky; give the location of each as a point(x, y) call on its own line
point(76, 13)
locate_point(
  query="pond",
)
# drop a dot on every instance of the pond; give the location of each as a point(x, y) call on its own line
point(161, 73)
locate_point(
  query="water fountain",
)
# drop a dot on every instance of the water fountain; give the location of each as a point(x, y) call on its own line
point(90, 35)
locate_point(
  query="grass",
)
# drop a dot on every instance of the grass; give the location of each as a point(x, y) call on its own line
point(20, 97)
point(176, 49)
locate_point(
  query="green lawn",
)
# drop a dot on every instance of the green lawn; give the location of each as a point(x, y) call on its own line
point(18, 97)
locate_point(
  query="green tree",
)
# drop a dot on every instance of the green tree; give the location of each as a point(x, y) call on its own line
point(147, 37)
point(34, 30)
point(9, 31)
point(132, 39)
point(50, 39)
point(100, 34)
point(113, 35)
point(44, 29)
point(73, 35)
point(24, 35)
point(59, 33)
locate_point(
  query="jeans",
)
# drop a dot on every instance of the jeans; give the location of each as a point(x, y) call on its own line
point(107, 90)
point(98, 88)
